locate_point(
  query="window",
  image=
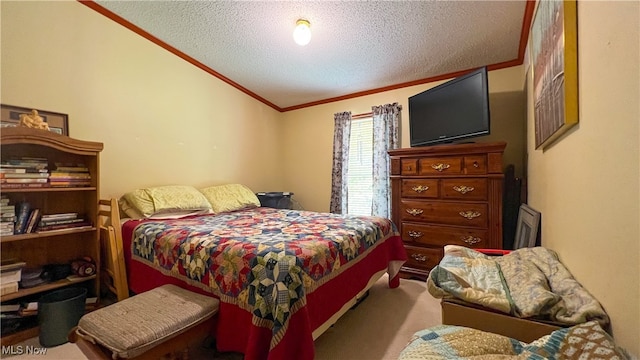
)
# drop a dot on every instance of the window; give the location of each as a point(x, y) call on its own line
point(360, 175)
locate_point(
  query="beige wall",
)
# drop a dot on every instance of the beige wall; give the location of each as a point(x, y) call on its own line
point(308, 133)
point(587, 184)
point(162, 120)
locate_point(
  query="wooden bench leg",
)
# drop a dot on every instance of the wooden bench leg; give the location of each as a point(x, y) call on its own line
point(89, 349)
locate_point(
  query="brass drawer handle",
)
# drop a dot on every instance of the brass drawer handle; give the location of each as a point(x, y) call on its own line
point(475, 164)
point(420, 188)
point(419, 257)
point(462, 189)
point(415, 212)
point(440, 166)
point(469, 214)
point(414, 234)
point(471, 240)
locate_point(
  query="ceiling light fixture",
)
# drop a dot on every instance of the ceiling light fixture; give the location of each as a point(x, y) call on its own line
point(302, 33)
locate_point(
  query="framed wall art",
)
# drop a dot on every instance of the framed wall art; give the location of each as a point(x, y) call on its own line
point(10, 117)
point(554, 58)
point(527, 227)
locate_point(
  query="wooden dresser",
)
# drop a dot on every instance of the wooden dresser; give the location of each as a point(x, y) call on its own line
point(446, 194)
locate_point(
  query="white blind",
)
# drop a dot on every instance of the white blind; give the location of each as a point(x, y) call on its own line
point(360, 176)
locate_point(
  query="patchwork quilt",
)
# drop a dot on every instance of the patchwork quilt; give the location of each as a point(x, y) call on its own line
point(262, 260)
point(527, 283)
point(584, 341)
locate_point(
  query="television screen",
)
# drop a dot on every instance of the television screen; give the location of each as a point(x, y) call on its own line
point(455, 110)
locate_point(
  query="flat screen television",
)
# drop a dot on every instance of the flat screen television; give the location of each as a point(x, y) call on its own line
point(452, 111)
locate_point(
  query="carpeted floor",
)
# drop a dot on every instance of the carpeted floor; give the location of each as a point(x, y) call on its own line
point(378, 328)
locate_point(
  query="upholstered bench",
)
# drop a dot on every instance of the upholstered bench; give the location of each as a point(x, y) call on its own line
point(150, 325)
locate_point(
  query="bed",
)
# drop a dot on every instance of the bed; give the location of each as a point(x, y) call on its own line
point(584, 341)
point(282, 276)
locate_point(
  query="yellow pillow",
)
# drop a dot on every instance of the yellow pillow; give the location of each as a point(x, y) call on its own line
point(177, 197)
point(230, 197)
point(140, 201)
point(164, 199)
point(128, 211)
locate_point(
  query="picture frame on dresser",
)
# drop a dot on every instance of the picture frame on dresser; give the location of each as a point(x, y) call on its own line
point(10, 117)
point(527, 228)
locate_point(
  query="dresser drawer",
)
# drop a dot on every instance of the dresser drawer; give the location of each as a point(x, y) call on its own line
point(409, 166)
point(441, 165)
point(447, 213)
point(475, 164)
point(423, 258)
point(443, 235)
point(464, 189)
point(420, 188)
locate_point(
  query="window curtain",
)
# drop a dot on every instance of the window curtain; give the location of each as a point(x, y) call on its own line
point(386, 119)
point(341, 135)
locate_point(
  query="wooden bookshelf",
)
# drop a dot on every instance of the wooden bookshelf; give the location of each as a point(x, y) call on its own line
point(60, 246)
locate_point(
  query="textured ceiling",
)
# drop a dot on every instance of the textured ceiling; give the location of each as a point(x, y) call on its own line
point(356, 46)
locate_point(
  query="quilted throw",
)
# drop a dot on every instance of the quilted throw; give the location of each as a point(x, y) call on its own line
point(447, 342)
point(263, 260)
point(528, 282)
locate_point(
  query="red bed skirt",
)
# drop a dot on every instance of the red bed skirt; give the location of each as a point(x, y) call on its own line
point(235, 330)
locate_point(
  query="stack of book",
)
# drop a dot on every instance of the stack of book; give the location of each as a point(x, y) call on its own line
point(61, 222)
point(7, 217)
point(24, 172)
point(70, 175)
point(10, 275)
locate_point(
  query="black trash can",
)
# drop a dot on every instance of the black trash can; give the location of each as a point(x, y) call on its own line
point(274, 199)
point(58, 312)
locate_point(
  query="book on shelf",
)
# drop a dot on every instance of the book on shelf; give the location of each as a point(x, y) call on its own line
point(7, 209)
point(79, 225)
point(69, 183)
point(60, 222)
point(4, 185)
point(69, 167)
point(11, 264)
point(69, 176)
point(34, 219)
point(26, 180)
point(26, 161)
point(10, 276)
point(35, 175)
point(23, 209)
point(12, 170)
point(9, 308)
point(8, 288)
point(21, 170)
point(8, 229)
point(59, 216)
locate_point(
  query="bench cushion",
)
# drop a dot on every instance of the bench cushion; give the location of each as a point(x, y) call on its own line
point(132, 326)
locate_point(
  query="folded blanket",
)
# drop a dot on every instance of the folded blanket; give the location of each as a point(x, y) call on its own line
point(528, 282)
point(447, 342)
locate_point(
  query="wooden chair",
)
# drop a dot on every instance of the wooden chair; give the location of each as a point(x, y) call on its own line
point(114, 273)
